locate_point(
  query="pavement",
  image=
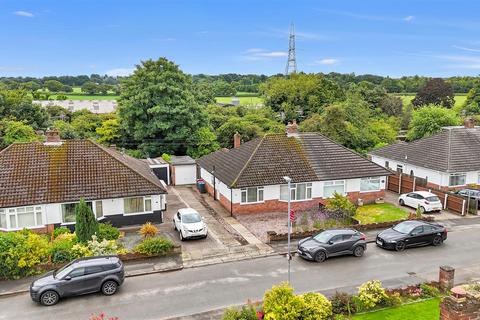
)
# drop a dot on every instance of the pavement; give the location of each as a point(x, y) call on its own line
point(196, 290)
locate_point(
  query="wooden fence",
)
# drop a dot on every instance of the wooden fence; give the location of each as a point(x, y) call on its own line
point(404, 183)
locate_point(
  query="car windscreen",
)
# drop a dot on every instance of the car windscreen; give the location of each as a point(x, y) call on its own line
point(63, 271)
point(404, 227)
point(191, 218)
point(433, 199)
point(323, 237)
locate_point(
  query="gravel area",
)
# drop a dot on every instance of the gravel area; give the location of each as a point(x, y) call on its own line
point(260, 223)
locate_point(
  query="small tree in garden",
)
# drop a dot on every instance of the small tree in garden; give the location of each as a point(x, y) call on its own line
point(281, 303)
point(86, 225)
point(343, 204)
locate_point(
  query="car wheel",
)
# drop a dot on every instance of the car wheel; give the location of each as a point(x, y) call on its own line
point(109, 287)
point(205, 236)
point(174, 226)
point(402, 203)
point(49, 298)
point(358, 251)
point(422, 210)
point(181, 236)
point(400, 246)
point(438, 240)
point(320, 256)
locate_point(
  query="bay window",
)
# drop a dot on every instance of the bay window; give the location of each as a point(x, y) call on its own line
point(298, 191)
point(330, 187)
point(68, 210)
point(137, 205)
point(457, 179)
point(370, 184)
point(251, 195)
point(21, 217)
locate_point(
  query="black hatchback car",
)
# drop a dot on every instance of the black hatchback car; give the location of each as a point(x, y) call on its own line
point(411, 233)
point(330, 243)
point(81, 276)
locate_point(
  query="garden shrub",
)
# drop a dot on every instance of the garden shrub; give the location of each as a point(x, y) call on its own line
point(102, 248)
point(371, 294)
point(342, 303)
point(393, 300)
point(429, 291)
point(86, 224)
point(107, 231)
point(20, 252)
point(343, 204)
point(59, 231)
point(148, 230)
point(280, 303)
point(154, 246)
point(245, 313)
point(61, 248)
point(80, 250)
point(317, 307)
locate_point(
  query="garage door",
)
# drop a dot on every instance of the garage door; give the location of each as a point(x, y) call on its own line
point(186, 174)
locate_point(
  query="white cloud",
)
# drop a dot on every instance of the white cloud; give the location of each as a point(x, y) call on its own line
point(120, 72)
point(466, 48)
point(409, 18)
point(262, 54)
point(329, 61)
point(24, 14)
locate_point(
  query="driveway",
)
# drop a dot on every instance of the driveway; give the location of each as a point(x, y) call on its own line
point(219, 239)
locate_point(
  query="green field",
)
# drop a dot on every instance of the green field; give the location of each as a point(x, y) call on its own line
point(425, 310)
point(459, 99)
point(90, 97)
point(244, 101)
point(374, 213)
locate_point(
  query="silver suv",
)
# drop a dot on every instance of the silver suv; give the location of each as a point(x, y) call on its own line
point(81, 276)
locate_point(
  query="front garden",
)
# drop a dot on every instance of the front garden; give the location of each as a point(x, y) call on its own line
point(24, 253)
point(381, 212)
point(372, 301)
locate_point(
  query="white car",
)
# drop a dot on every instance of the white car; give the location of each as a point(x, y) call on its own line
point(426, 201)
point(189, 223)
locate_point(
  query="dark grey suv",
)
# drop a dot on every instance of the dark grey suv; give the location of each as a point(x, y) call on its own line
point(330, 243)
point(80, 276)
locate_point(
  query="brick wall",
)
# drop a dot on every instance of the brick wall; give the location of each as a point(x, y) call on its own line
point(281, 206)
point(461, 306)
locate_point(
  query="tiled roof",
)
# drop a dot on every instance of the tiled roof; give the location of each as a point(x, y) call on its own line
point(306, 157)
point(34, 173)
point(454, 149)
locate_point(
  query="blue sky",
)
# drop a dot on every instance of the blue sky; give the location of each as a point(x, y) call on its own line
point(401, 37)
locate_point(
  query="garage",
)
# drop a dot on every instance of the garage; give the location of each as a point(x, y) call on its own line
point(160, 168)
point(184, 170)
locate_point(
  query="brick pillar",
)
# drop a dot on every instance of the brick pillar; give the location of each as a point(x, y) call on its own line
point(446, 277)
point(460, 305)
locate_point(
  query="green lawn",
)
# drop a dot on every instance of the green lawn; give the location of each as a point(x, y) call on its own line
point(244, 101)
point(90, 97)
point(425, 310)
point(381, 212)
point(459, 99)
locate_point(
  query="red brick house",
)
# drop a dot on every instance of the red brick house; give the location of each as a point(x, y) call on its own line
point(249, 177)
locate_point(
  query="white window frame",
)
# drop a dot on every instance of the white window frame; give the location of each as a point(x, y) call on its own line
point(400, 168)
point(244, 191)
point(294, 191)
point(369, 179)
point(8, 212)
point(334, 183)
point(457, 175)
point(94, 209)
point(145, 199)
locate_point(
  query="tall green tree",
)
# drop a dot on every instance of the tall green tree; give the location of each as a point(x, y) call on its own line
point(53, 85)
point(472, 102)
point(158, 109)
point(436, 91)
point(90, 87)
point(429, 120)
point(86, 225)
point(18, 104)
point(15, 131)
point(109, 131)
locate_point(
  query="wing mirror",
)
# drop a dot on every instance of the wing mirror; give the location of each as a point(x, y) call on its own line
point(67, 278)
point(330, 242)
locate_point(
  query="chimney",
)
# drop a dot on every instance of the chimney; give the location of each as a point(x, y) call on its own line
point(237, 140)
point(53, 137)
point(292, 129)
point(469, 123)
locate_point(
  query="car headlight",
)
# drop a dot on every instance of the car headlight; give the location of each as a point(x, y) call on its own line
point(392, 241)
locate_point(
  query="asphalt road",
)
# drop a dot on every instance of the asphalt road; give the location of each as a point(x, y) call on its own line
point(195, 290)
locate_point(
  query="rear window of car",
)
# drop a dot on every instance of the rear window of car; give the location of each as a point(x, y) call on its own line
point(110, 266)
point(93, 269)
point(433, 199)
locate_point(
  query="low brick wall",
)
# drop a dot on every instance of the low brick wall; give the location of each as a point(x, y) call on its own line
point(460, 305)
point(273, 236)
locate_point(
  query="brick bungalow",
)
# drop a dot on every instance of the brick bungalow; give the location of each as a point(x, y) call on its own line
point(249, 177)
point(446, 160)
point(40, 184)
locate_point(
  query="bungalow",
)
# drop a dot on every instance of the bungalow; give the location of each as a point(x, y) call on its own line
point(249, 177)
point(449, 159)
point(40, 184)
